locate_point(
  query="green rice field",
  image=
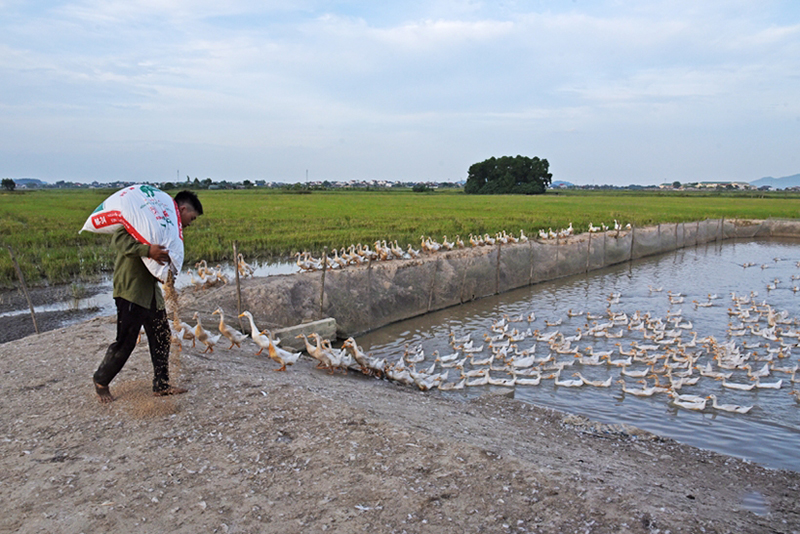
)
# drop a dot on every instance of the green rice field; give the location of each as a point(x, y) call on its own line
point(42, 226)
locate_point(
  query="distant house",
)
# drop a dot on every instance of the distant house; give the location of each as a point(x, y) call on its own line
point(725, 185)
point(29, 183)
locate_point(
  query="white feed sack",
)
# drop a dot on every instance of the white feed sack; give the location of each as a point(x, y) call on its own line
point(150, 216)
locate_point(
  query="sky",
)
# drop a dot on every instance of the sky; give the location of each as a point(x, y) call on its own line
point(615, 92)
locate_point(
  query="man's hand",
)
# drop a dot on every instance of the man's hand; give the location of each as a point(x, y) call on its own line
point(159, 253)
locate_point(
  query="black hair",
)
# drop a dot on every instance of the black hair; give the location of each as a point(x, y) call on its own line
point(189, 198)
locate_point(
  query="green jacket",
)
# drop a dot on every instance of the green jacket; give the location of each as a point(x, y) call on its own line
point(132, 280)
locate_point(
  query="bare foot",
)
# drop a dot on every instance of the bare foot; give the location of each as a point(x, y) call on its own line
point(170, 390)
point(103, 393)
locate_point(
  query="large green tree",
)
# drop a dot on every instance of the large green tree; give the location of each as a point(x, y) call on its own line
point(9, 184)
point(520, 175)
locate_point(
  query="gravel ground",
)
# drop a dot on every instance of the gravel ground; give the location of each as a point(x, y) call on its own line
point(251, 450)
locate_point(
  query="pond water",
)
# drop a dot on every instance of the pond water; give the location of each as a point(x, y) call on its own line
point(769, 434)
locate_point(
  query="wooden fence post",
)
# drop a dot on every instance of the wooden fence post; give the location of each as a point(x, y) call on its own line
point(238, 285)
point(322, 289)
point(588, 252)
point(24, 287)
point(497, 270)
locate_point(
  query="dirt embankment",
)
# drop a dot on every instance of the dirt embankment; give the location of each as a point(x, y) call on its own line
point(250, 450)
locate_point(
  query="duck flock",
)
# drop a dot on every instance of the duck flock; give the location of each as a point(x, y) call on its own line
point(382, 250)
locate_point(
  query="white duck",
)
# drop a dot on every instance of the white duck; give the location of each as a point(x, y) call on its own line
point(183, 330)
point(458, 364)
point(594, 358)
point(425, 382)
point(339, 358)
point(737, 385)
point(459, 340)
point(522, 363)
point(417, 356)
point(635, 374)
point(279, 355)
point(483, 381)
point(644, 391)
point(735, 408)
point(595, 383)
point(484, 361)
point(531, 380)
point(688, 398)
point(767, 385)
point(472, 373)
point(761, 373)
point(446, 358)
point(398, 374)
point(450, 386)
point(696, 406)
point(318, 353)
point(260, 339)
point(708, 370)
point(470, 348)
point(619, 363)
point(568, 383)
point(504, 382)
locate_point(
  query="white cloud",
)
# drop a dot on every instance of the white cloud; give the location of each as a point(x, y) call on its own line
point(451, 78)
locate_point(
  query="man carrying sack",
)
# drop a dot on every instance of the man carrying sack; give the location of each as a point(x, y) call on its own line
point(140, 302)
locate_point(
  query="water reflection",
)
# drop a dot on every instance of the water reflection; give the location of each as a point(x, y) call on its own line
point(767, 435)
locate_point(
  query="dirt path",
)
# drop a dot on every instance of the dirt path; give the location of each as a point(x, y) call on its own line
point(249, 450)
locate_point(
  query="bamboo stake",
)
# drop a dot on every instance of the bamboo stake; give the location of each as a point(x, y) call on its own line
point(433, 284)
point(558, 260)
point(371, 315)
point(322, 289)
point(467, 262)
point(588, 251)
point(238, 286)
point(497, 271)
point(633, 238)
point(530, 257)
point(24, 288)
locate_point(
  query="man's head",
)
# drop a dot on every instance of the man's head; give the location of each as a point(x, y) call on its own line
point(189, 207)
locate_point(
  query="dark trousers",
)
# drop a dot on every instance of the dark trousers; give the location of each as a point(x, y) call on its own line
point(130, 318)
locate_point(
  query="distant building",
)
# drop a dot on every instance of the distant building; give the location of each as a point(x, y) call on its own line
point(725, 185)
point(29, 183)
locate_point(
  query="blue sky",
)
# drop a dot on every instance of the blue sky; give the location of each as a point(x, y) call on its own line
point(610, 92)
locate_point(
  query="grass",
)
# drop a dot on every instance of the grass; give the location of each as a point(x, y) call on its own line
point(42, 225)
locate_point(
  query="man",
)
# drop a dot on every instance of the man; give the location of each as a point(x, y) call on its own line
point(139, 302)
